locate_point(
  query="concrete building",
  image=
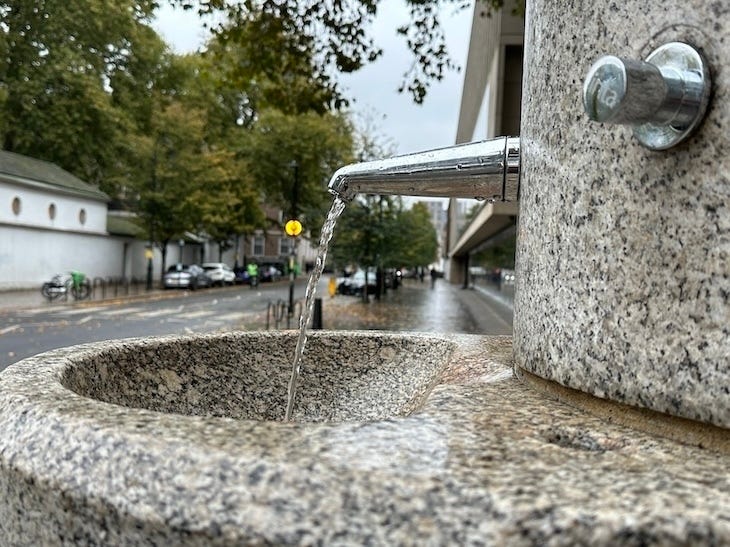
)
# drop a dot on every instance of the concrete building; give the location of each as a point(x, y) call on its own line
point(51, 222)
point(490, 107)
point(439, 220)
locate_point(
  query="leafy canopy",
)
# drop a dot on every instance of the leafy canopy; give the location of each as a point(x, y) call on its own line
point(379, 231)
point(335, 36)
point(292, 156)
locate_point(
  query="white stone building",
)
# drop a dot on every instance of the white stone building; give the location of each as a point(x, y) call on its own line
point(51, 222)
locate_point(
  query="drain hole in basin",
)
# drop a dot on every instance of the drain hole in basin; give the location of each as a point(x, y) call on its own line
point(345, 377)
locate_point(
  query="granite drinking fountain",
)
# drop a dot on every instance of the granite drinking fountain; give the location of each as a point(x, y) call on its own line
point(604, 420)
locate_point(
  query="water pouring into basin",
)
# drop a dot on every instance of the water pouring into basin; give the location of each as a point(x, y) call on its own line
point(338, 206)
point(485, 170)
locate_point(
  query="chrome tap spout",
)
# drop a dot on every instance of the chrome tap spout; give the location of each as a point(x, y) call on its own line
point(485, 170)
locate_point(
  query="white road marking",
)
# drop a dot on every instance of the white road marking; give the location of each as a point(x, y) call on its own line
point(158, 313)
point(196, 314)
point(122, 311)
point(79, 311)
point(11, 328)
point(231, 316)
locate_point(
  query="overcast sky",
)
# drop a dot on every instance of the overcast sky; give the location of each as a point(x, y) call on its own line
point(409, 127)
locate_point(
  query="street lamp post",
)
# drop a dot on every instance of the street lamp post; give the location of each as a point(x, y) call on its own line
point(292, 257)
point(149, 254)
point(293, 226)
point(295, 189)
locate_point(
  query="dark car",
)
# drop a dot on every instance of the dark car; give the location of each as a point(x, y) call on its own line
point(354, 284)
point(184, 276)
point(242, 277)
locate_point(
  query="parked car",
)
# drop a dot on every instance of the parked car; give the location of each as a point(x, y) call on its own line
point(508, 277)
point(269, 273)
point(220, 273)
point(355, 283)
point(184, 276)
point(242, 277)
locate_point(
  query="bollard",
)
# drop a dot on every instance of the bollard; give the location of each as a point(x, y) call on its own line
point(269, 308)
point(280, 310)
point(317, 314)
point(98, 282)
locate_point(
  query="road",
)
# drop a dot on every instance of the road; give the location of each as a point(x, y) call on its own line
point(26, 332)
point(413, 307)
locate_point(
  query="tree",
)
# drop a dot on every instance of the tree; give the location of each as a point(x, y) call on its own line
point(361, 231)
point(271, 65)
point(168, 203)
point(141, 88)
point(335, 36)
point(416, 238)
point(378, 231)
point(191, 142)
point(55, 61)
point(292, 157)
point(148, 73)
point(370, 142)
point(228, 199)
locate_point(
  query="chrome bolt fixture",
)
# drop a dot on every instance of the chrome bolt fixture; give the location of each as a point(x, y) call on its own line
point(664, 98)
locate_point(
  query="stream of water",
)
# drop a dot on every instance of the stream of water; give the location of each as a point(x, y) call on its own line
point(338, 205)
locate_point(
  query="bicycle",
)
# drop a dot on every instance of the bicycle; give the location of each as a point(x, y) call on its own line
point(61, 285)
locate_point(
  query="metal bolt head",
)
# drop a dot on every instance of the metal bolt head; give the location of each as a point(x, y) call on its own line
point(623, 91)
point(604, 89)
point(664, 98)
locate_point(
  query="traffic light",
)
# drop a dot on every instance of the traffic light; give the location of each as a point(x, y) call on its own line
point(293, 227)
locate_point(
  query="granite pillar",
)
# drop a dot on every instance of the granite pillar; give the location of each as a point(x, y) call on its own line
point(623, 253)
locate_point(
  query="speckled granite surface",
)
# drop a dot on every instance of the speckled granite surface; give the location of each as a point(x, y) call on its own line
point(241, 377)
point(623, 259)
point(483, 459)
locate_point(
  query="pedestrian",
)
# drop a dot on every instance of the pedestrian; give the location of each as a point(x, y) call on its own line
point(253, 273)
point(434, 275)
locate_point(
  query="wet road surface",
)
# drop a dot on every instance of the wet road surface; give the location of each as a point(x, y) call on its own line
point(414, 306)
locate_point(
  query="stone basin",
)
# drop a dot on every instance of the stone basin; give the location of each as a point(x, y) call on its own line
point(397, 439)
point(355, 378)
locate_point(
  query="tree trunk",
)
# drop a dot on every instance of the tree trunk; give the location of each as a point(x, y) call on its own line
point(163, 252)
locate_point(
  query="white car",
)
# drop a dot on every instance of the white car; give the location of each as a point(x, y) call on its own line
point(220, 273)
point(355, 283)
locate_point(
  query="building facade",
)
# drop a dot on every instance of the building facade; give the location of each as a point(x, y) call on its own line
point(490, 107)
point(51, 222)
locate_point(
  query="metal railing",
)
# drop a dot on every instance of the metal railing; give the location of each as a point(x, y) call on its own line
point(108, 287)
point(277, 312)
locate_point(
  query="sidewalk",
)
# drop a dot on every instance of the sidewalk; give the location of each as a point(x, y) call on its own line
point(414, 306)
point(21, 299)
point(29, 298)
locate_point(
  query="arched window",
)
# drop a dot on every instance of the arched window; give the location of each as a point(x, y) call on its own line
point(82, 216)
point(16, 206)
point(52, 211)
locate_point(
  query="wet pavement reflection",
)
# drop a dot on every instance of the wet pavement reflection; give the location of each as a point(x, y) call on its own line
point(416, 307)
